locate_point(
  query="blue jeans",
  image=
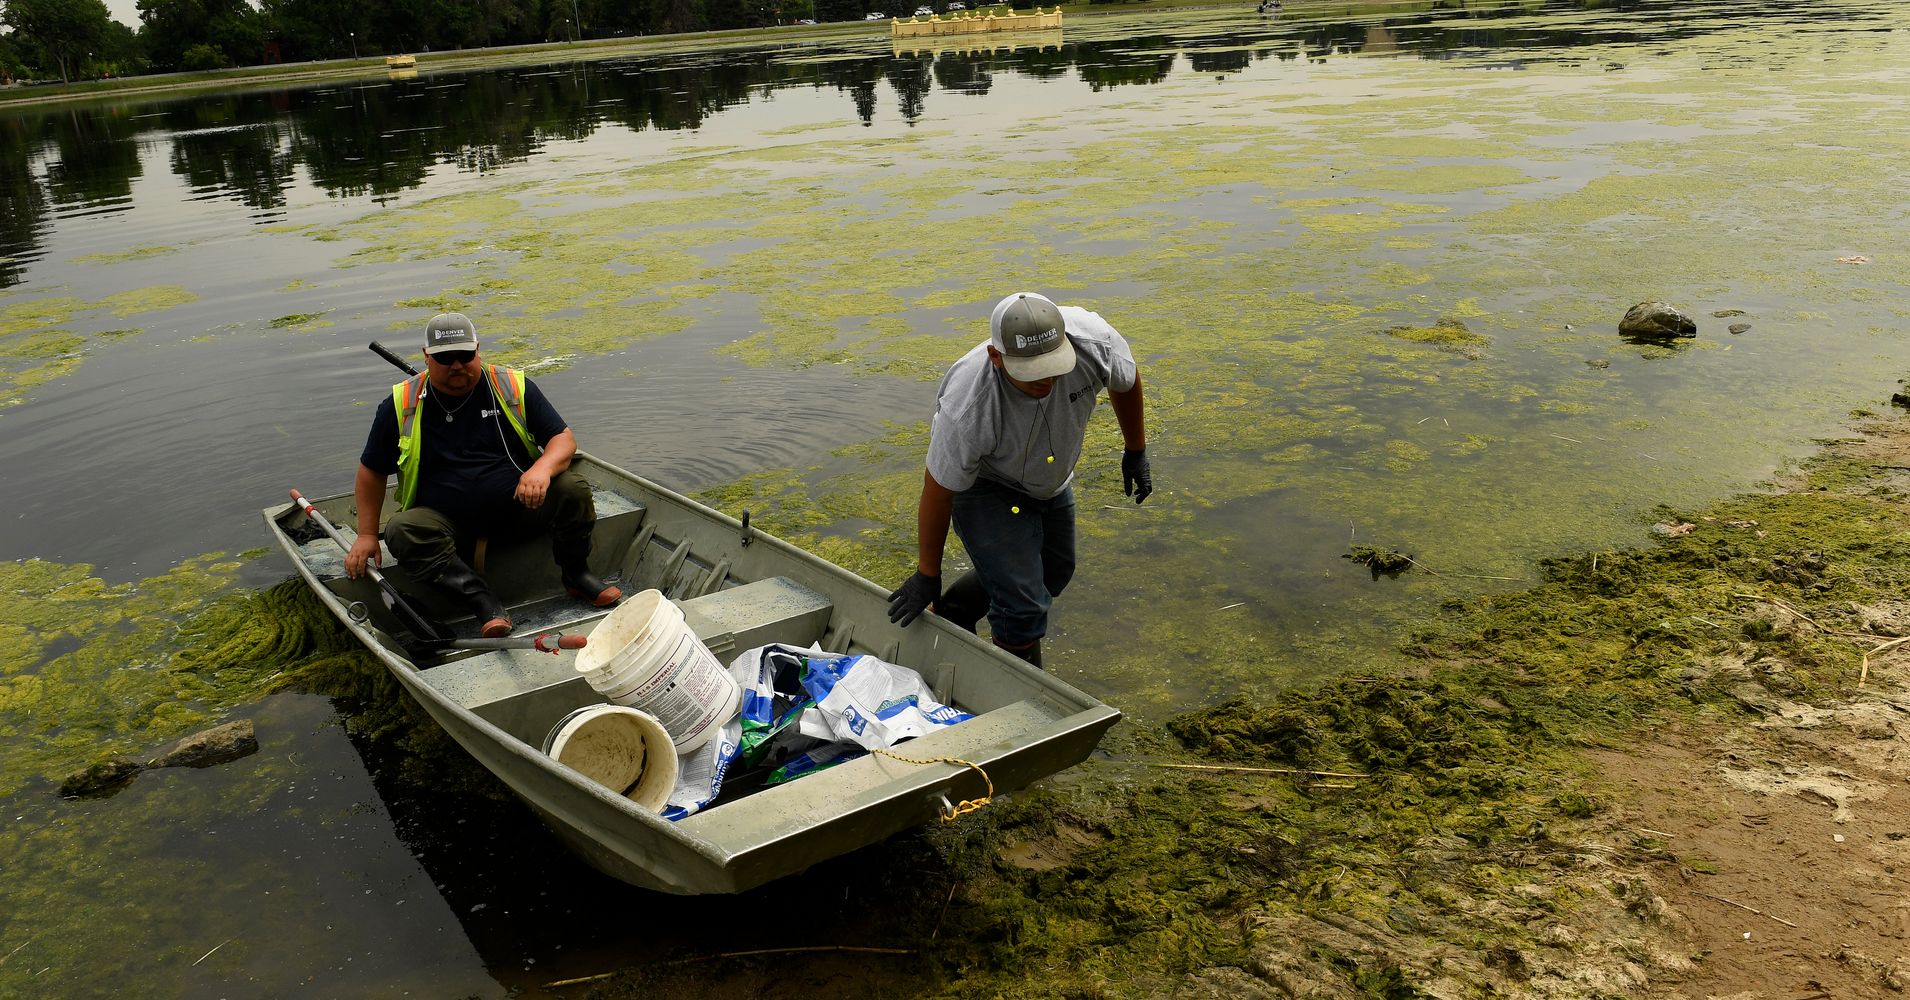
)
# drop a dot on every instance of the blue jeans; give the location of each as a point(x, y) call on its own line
point(1023, 549)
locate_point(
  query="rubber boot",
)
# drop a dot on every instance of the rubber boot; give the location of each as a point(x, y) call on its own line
point(573, 559)
point(964, 602)
point(494, 620)
point(582, 584)
point(1030, 652)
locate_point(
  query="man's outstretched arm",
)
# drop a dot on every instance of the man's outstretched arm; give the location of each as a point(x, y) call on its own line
point(932, 515)
point(1137, 476)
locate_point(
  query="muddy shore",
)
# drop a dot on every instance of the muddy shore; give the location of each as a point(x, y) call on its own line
point(1674, 771)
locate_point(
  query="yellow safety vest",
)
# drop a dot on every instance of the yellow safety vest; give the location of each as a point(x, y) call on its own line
point(507, 387)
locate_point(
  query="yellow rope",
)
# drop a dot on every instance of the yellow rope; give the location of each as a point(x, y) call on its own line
point(951, 813)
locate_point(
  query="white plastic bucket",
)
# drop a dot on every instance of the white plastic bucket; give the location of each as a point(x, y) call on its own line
point(626, 751)
point(644, 656)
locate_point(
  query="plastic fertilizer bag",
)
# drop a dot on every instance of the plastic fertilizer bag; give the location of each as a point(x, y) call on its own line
point(763, 734)
point(820, 758)
point(772, 697)
point(772, 704)
point(871, 703)
point(699, 775)
point(805, 710)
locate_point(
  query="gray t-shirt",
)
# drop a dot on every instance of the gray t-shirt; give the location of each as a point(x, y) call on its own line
point(985, 428)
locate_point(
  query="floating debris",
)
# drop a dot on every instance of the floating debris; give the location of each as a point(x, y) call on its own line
point(1380, 560)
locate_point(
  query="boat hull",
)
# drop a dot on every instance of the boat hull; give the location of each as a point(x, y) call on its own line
point(739, 588)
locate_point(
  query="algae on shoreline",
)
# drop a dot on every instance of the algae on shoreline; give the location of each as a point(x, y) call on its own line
point(91, 669)
point(1437, 832)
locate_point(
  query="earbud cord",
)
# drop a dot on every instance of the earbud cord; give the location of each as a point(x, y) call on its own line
point(1041, 405)
point(497, 418)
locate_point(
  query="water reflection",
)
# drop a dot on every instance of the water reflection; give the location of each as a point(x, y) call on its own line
point(23, 204)
point(1139, 60)
point(92, 161)
point(256, 173)
point(377, 140)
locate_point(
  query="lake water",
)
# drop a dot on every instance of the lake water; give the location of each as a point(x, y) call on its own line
point(1371, 257)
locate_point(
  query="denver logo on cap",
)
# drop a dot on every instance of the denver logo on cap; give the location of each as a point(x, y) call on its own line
point(450, 332)
point(1029, 332)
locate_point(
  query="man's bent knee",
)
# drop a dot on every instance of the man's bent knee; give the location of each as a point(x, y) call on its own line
point(573, 505)
point(423, 539)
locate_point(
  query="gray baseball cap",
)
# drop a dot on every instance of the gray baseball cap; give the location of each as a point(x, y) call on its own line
point(1032, 337)
point(450, 332)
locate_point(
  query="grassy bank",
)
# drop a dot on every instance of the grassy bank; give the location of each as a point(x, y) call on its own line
point(371, 67)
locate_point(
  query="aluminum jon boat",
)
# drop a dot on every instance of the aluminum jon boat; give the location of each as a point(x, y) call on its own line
point(739, 588)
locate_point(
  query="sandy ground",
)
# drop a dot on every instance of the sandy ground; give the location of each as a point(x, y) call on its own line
point(1786, 861)
point(1784, 851)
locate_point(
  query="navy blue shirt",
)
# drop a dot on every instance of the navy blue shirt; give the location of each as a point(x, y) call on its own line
point(471, 462)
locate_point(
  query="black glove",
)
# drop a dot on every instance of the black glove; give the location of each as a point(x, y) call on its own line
point(1137, 480)
point(913, 598)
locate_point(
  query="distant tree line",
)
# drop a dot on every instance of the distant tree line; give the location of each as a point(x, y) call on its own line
point(78, 39)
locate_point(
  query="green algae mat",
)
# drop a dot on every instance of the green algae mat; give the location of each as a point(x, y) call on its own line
point(1375, 304)
point(1425, 828)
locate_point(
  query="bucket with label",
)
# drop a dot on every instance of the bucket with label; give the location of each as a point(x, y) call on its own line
point(620, 748)
point(643, 655)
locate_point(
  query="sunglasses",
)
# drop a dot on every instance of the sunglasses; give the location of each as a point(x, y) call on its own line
point(453, 358)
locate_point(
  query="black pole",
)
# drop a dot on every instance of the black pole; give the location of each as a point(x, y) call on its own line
point(385, 352)
point(428, 632)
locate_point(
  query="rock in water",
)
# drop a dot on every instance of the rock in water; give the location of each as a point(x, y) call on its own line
point(202, 749)
point(103, 778)
point(1657, 320)
point(212, 746)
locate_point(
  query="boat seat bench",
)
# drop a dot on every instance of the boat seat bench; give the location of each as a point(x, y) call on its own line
point(525, 692)
point(520, 571)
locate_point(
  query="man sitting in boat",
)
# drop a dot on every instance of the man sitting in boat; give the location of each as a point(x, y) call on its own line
point(1009, 425)
point(479, 452)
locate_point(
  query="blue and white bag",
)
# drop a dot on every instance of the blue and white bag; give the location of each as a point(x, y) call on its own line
point(762, 732)
point(804, 710)
point(871, 702)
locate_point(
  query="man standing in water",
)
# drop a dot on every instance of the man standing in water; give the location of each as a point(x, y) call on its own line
point(478, 452)
point(1009, 425)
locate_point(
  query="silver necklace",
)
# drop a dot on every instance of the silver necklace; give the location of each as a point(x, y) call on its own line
point(449, 410)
